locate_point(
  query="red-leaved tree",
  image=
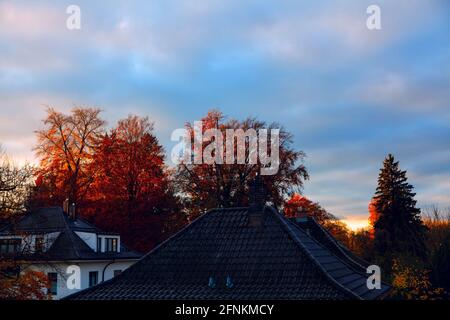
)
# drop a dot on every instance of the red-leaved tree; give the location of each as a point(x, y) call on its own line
point(131, 192)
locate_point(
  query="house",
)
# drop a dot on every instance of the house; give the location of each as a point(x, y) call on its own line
point(244, 253)
point(52, 239)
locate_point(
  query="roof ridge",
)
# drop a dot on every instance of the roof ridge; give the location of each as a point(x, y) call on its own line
point(70, 234)
point(338, 245)
point(306, 251)
point(328, 250)
point(349, 257)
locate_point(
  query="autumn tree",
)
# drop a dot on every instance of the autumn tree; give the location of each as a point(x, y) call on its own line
point(221, 184)
point(361, 243)
point(399, 230)
point(131, 192)
point(298, 203)
point(373, 216)
point(65, 147)
point(26, 285)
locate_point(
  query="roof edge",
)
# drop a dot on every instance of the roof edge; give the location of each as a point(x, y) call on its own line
point(305, 250)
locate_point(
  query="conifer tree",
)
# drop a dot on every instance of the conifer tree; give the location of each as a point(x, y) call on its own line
point(399, 230)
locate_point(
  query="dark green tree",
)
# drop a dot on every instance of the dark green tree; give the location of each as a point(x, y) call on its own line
point(399, 230)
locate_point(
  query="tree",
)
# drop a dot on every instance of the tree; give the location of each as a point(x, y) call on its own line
point(131, 193)
point(373, 216)
point(15, 185)
point(441, 265)
point(26, 285)
point(437, 221)
point(413, 283)
point(361, 243)
point(298, 203)
point(206, 186)
point(66, 146)
point(399, 230)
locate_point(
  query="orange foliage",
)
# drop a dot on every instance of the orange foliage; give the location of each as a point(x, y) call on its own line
point(65, 147)
point(373, 216)
point(130, 193)
point(118, 179)
point(29, 285)
point(413, 284)
point(298, 203)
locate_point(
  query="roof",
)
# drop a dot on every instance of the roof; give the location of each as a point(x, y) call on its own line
point(68, 245)
point(278, 260)
point(50, 219)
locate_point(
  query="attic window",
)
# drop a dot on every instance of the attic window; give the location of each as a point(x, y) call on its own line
point(229, 283)
point(39, 244)
point(111, 244)
point(212, 282)
point(10, 245)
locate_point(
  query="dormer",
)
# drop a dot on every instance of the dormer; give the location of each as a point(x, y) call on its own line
point(108, 243)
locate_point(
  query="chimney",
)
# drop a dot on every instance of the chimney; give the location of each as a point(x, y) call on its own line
point(69, 209)
point(257, 202)
point(66, 206)
point(73, 211)
point(302, 215)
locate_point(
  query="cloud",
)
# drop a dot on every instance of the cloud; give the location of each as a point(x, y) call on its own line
point(349, 95)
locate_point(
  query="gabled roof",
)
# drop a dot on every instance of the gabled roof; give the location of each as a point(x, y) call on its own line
point(278, 260)
point(68, 245)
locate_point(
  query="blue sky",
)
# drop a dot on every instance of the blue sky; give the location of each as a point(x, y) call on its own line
point(349, 95)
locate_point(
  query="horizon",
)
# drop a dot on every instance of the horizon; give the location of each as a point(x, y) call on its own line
point(349, 95)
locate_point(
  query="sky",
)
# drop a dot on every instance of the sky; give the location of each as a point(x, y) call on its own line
point(348, 94)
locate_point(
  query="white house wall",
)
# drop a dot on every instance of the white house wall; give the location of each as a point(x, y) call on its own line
point(85, 268)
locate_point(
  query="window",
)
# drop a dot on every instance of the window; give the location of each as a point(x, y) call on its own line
point(53, 279)
point(117, 272)
point(10, 246)
point(10, 272)
point(39, 244)
point(93, 278)
point(111, 244)
point(99, 244)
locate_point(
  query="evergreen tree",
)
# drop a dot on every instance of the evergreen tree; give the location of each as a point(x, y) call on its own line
point(399, 230)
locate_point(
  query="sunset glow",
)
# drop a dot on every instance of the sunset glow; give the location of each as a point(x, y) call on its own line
point(356, 223)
